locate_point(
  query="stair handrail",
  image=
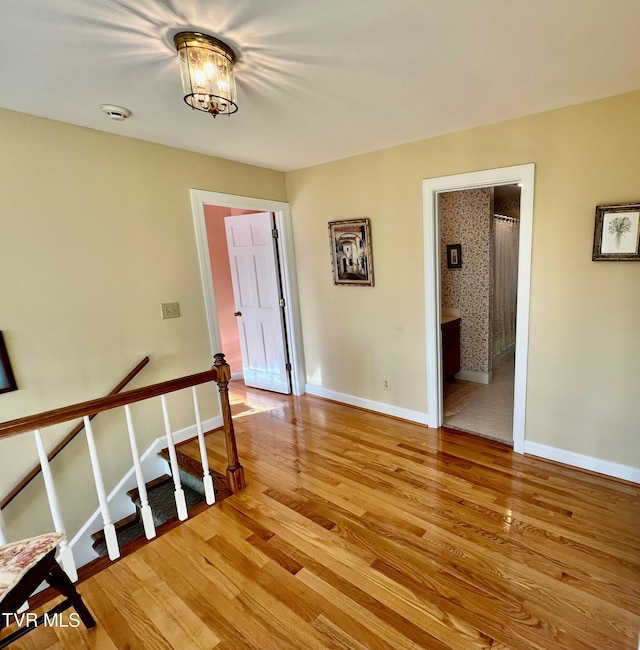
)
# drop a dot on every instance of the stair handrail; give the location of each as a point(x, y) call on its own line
point(68, 438)
point(220, 373)
point(82, 409)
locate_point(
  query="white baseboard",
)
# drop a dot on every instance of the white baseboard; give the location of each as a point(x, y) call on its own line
point(598, 465)
point(472, 375)
point(120, 505)
point(574, 459)
point(370, 405)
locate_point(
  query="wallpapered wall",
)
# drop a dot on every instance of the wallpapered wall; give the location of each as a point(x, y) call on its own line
point(507, 205)
point(465, 218)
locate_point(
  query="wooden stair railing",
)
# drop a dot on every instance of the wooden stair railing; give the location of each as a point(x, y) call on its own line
point(220, 373)
point(67, 439)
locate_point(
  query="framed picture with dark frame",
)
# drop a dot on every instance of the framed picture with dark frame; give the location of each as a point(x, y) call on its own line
point(7, 380)
point(616, 236)
point(454, 256)
point(351, 255)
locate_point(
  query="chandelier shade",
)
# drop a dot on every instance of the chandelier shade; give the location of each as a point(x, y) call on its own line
point(206, 68)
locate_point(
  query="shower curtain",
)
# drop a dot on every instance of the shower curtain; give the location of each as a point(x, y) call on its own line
point(506, 236)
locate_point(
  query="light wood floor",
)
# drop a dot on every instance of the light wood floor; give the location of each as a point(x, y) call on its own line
point(361, 531)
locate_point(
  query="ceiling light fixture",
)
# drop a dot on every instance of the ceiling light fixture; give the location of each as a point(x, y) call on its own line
point(206, 67)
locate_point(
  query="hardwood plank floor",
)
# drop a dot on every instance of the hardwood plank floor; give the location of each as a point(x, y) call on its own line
point(362, 531)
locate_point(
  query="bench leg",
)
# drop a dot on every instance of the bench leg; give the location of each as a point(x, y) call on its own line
point(59, 580)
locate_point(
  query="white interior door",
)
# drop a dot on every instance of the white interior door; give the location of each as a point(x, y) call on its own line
point(256, 290)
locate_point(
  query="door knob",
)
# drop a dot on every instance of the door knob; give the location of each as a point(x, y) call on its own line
point(237, 313)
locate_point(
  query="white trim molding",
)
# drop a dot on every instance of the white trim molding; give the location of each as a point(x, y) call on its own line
point(432, 188)
point(200, 198)
point(624, 472)
point(368, 404)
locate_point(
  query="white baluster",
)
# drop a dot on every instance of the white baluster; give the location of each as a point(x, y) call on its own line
point(181, 504)
point(65, 555)
point(207, 480)
point(145, 508)
point(109, 529)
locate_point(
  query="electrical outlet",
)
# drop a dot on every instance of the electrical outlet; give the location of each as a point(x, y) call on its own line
point(386, 384)
point(170, 309)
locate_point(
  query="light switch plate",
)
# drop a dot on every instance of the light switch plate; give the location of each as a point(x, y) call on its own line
point(170, 309)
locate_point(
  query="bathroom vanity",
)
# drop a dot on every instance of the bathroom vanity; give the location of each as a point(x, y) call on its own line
point(450, 346)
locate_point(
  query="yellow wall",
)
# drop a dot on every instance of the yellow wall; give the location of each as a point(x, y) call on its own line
point(96, 231)
point(585, 316)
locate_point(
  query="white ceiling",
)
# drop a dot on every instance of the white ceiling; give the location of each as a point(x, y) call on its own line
point(318, 80)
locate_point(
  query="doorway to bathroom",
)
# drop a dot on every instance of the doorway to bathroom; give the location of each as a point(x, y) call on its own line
point(433, 191)
point(478, 294)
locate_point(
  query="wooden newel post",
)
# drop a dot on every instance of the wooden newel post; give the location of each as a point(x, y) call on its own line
point(235, 471)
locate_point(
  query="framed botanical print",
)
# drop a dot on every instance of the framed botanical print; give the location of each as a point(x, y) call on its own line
point(351, 258)
point(616, 235)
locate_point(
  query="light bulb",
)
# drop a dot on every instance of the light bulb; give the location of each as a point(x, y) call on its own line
point(199, 77)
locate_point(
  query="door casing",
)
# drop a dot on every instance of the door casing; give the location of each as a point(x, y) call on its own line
point(432, 187)
point(200, 198)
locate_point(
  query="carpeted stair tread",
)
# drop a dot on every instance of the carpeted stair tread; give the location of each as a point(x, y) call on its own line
point(163, 503)
point(160, 493)
point(120, 526)
point(189, 467)
point(134, 494)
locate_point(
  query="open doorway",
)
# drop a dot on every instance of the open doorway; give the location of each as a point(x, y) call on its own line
point(479, 306)
point(432, 190)
point(215, 216)
point(219, 300)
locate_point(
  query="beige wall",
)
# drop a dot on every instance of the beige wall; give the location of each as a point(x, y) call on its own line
point(585, 316)
point(96, 231)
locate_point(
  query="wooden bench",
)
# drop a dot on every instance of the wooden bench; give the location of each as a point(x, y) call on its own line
point(24, 565)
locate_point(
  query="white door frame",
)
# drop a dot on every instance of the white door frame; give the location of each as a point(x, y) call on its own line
point(431, 189)
point(282, 211)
